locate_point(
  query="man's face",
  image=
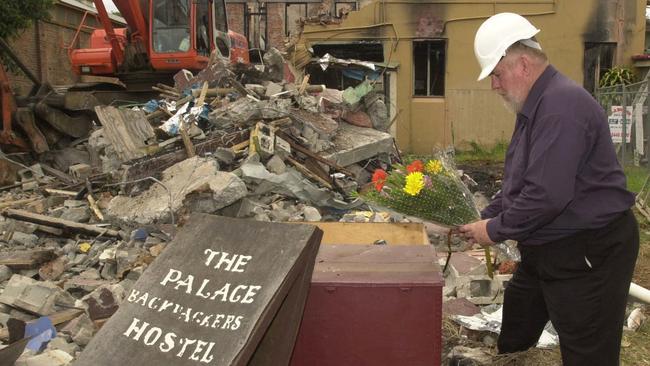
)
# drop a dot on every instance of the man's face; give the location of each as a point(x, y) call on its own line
point(509, 81)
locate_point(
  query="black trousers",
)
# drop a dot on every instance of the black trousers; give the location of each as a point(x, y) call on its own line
point(581, 284)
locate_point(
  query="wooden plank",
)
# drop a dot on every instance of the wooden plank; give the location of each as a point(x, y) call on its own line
point(6, 204)
point(372, 232)
point(27, 259)
point(127, 130)
point(60, 223)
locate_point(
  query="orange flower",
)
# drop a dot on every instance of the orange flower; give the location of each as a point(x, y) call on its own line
point(379, 178)
point(415, 166)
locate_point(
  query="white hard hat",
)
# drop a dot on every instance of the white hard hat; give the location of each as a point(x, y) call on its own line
point(498, 33)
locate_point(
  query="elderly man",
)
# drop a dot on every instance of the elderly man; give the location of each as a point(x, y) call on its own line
point(564, 200)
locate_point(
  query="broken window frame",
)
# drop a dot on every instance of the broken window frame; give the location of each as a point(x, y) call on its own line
point(594, 67)
point(436, 89)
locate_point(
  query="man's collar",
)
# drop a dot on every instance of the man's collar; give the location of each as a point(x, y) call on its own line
point(536, 91)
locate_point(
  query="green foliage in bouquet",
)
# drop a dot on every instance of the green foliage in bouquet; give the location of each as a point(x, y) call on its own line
point(430, 190)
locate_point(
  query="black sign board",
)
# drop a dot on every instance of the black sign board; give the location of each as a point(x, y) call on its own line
point(224, 292)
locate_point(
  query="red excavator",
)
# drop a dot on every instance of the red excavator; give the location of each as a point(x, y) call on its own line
point(162, 37)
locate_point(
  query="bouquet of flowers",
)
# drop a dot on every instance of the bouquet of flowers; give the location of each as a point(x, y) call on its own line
point(431, 190)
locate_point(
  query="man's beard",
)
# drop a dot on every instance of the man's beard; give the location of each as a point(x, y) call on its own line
point(512, 104)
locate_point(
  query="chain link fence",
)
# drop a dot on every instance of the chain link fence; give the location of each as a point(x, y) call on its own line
point(626, 107)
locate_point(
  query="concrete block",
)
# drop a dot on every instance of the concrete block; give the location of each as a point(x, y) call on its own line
point(482, 290)
point(195, 183)
point(353, 144)
point(40, 297)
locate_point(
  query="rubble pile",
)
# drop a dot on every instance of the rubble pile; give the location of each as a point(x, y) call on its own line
point(81, 223)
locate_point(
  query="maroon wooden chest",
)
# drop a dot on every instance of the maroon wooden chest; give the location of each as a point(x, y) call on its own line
point(372, 305)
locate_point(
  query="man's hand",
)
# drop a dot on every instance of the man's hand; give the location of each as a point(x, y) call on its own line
point(476, 232)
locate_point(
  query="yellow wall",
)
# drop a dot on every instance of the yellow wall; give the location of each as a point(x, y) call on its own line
point(470, 111)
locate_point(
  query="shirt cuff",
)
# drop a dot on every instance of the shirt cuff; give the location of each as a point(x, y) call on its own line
point(493, 227)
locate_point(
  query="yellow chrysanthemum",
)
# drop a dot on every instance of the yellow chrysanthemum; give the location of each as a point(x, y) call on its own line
point(434, 166)
point(414, 183)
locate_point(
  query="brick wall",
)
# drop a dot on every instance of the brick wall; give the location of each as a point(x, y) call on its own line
point(40, 48)
point(275, 24)
point(235, 13)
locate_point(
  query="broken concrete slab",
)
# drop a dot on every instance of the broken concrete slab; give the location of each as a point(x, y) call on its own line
point(39, 297)
point(353, 144)
point(78, 126)
point(195, 183)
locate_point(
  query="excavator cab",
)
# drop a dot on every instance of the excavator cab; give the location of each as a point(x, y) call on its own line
point(170, 34)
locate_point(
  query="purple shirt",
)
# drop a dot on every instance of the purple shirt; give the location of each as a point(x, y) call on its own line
point(561, 173)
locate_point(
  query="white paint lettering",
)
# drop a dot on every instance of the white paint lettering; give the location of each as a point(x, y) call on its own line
point(200, 291)
point(217, 320)
point(152, 336)
point(143, 299)
point(241, 262)
point(211, 254)
point(172, 276)
point(237, 323)
point(187, 283)
point(134, 328)
point(151, 304)
point(233, 295)
point(252, 291)
point(227, 259)
point(197, 351)
point(229, 320)
point(133, 295)
point(223, 292)
point(169, 343)
point(166, 305)
point(186, 343)
point(207, 354)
